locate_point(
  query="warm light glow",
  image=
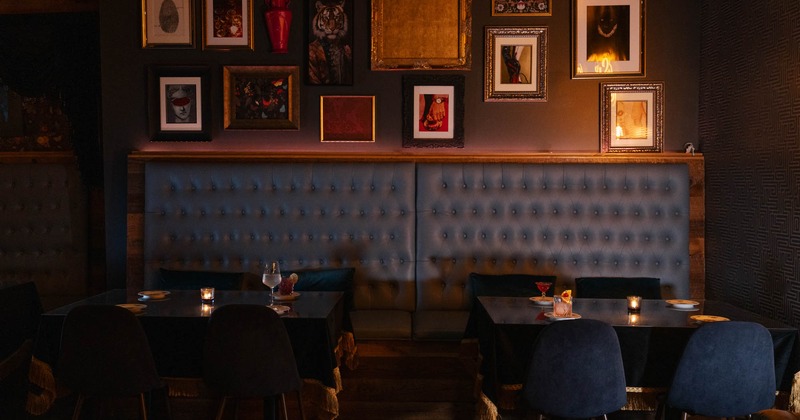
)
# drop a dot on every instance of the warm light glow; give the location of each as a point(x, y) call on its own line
point(207, 294)
point(619, 131)
point(603, 62)
point(206, 309)
point(633, 319)
point(634, 303)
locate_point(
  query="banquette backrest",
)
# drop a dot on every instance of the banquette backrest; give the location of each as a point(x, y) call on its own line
point(413, 229)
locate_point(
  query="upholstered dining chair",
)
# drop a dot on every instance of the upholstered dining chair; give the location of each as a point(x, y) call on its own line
point(727, 370)
point(247, 354)
point(576, 371)
point(105, 354)
point(617, 287)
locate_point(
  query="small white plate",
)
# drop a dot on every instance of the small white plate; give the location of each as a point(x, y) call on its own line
point(282, 298)
point(280, 309)
point(154, 294)
point(682, 303)
point(552, 317)
point(133, 307)
point(542, 301)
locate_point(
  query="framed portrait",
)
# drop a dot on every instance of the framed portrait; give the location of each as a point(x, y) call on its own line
point(632, 117)
point(515, 64)
point(433, 111)
point(522, 8)
point(228, 24)
point(179, 103)
point(608, 38)
point(167, 24)
point(261, 97)
point(330, 42)
point(347, 118)
point(421, 35)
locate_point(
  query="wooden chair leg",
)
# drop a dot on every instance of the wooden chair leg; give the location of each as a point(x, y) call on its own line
point(221, 409)
point(142, 407)
point(78, 407)
point(285, 411)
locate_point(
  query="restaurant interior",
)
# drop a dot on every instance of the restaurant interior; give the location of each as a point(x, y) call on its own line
point(416, 255)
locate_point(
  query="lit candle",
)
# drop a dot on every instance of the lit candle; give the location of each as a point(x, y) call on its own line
point(206, 309)
point(633, 319)
point(634, 303)
point(207, 294)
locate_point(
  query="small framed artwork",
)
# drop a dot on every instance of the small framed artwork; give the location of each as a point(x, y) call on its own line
point(516, 64)
point(421, 35)
point(433, 111)
point(228, 24)
point(179, 104)
point(522, 8)
point(347, 118)
point(261, 97)
point(167, 24)
point(608, 38)
point(632, 117)
point(330, 42)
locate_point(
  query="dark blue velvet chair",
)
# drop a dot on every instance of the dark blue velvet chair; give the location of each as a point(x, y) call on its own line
point(576, 371)
point(727, 370)
point(247, 354)
point(617, 287)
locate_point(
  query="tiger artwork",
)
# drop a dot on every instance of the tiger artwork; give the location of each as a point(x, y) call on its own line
point(330, 55)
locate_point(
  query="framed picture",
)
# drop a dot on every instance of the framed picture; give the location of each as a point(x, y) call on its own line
point(516, 64)
point(330, 42)
point(167, 23)
point(632, 117)
point(433, 111)
point(179, 103)
point(261, 97)
point(228, 24)
point(421, 35)
point(608, 38)
point(522, 8)
point(347, 118)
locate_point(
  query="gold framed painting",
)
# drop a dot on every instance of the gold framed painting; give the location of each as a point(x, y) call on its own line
point(522, 8)
point(228, 24)
point(632, 117)
point(515, 64)
point(261, 97)
point(167, 24)
point(428, 35)
point(347, 118)
point(608, 38)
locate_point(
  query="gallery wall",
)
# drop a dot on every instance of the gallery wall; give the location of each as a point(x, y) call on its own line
point(568, 122)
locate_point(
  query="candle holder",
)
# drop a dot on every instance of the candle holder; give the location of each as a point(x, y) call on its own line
point(633, 318)
point(207, 295)
point(634, 304)
point(206, 309)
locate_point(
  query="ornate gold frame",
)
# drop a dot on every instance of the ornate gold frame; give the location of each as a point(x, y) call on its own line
point(531, 65)
point(401, 40)
point(288, 89)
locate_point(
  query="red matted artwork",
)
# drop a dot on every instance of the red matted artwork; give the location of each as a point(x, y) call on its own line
point(347, 118)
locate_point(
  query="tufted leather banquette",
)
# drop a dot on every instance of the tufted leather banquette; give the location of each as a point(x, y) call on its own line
point(414, 229)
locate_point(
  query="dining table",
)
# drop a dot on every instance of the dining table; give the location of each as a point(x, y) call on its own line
point(176, 324)
point(651, 338)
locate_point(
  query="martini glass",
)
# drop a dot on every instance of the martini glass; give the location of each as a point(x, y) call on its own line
point(543, 287)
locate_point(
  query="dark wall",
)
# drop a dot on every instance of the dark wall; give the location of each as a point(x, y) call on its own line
point(750, 135)
point(567, 122)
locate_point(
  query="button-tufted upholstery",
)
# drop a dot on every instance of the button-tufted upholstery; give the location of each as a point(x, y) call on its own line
point(414, 231)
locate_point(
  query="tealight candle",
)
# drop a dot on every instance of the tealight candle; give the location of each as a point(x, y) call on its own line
point(207, 294)
point(634, 303)
point(206, 309)
point(633, 318)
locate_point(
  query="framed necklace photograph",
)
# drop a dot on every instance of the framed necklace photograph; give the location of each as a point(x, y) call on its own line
point(631, 117)
point(608, 38)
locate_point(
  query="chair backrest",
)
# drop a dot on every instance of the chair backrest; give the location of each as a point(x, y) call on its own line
point(247, 353)
point(20, 308)
point(508, 284)
point(576, 370)
point(617, 287)
point(727, 370)
point(105, 353)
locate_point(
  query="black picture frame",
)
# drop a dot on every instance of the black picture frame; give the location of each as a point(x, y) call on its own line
point(181, 85)
point(324, 47)
point(419, 93)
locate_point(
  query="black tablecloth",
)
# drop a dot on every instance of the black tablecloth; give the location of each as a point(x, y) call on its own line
point(508, 326)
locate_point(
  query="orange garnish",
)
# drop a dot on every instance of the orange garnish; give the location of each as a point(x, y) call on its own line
point(567, 295)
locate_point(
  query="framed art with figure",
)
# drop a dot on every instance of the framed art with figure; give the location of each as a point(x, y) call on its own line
point(179, 104)
point(167, 24)
point(261, 97)
point(347, 118)
point(330, 42)
point(516, 64)
point(228, 24)
point(608, 38)
point(632, 117)
point(433, 111)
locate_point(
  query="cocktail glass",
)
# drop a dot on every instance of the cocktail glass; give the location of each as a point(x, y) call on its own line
point(562, 308)
point(543, 287)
